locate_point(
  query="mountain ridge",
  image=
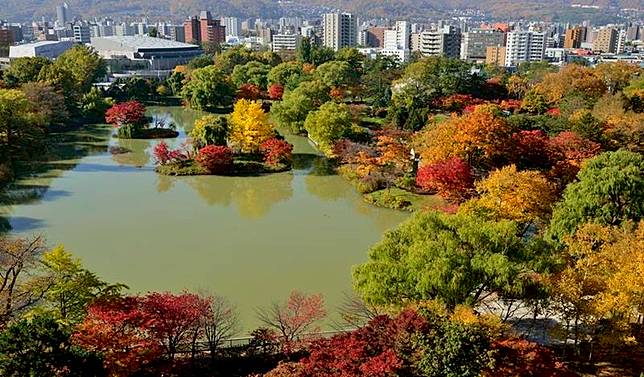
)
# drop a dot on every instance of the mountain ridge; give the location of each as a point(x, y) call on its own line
point(177, 9)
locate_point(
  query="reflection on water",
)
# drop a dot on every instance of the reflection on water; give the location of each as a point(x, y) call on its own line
point(251, 239)
point(253, 196)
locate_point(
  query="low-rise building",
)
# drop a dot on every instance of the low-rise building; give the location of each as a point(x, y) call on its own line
point(47, 49)
point(141, 53)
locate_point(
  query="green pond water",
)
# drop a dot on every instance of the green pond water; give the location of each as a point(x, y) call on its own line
point(250, 239)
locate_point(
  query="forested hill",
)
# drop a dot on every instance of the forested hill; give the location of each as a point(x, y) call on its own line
point(547, 9)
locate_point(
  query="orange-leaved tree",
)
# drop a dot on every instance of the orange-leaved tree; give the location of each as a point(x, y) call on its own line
point(477, 137)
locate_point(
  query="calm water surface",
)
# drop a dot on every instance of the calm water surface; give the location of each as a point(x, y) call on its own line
point(250, 239)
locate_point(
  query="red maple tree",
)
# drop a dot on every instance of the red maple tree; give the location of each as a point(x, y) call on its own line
point(296, 318)
point(568, 151)
point(275, 92)
point(276, 151)
point(530, 149)
point(520, 357)
point(175, 318)
point(249, 91)
point(130, 112)
point(120, 331)
point(451, 179)
point(216, 159)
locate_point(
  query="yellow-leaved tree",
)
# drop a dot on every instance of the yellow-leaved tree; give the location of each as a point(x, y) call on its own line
point(600, 292)
point(507, 194)
point(249, 126)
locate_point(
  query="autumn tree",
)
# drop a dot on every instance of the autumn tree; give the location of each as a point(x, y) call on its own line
point(328, 124)
point(425, 80)
point(525, 197)
point(452, 179)
point(215, 159)
point(120, 331)
point(617, 75)
point(478, 137)
point(72, 288)
point(414, 342)
point(249, 126)
point(49, 104)
point(276, 151)
point(130, 112)
point(521, 357)
point(457, 259)
point(610, 191)
point(296, 318)
point(175, 318)
point(571, 78)
point(601, 287)
point(221, 322)
point(530, 149)
point(21, 285)
point(275, 91)
point(567, 152)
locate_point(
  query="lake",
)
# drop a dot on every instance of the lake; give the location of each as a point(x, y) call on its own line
point(250, 239)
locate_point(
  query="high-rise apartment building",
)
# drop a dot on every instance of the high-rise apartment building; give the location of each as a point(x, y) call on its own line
point(445, 41)
point(403, 35)
point(82, 33)
point(232, 25)
point(211, 30)
point(524, 46)
point(475, 42)
point(495, 55)
point(606, 40)
point(191, 30)
point(203, 29)
point(339, 30)
point(62, 14)
point(574, 37)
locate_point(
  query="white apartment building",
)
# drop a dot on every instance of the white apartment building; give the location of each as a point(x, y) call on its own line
point(233, 26)
point(524, 46)
point(445, 41)
point(339, 30)
point(286, 42)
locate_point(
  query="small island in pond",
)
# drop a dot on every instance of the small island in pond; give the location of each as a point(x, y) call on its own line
point(130, 121)
point(244, 143)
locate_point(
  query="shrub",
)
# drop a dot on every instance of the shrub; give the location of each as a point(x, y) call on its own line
point(275, 92)
point(249, 91)
point(130, 112)
point(210, 130)
point(164, 155)
point(276, 151)
point(215, 159)
point(451, 179)
point(367, 184)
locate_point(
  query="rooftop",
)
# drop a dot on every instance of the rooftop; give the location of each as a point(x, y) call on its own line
point(137, 42)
